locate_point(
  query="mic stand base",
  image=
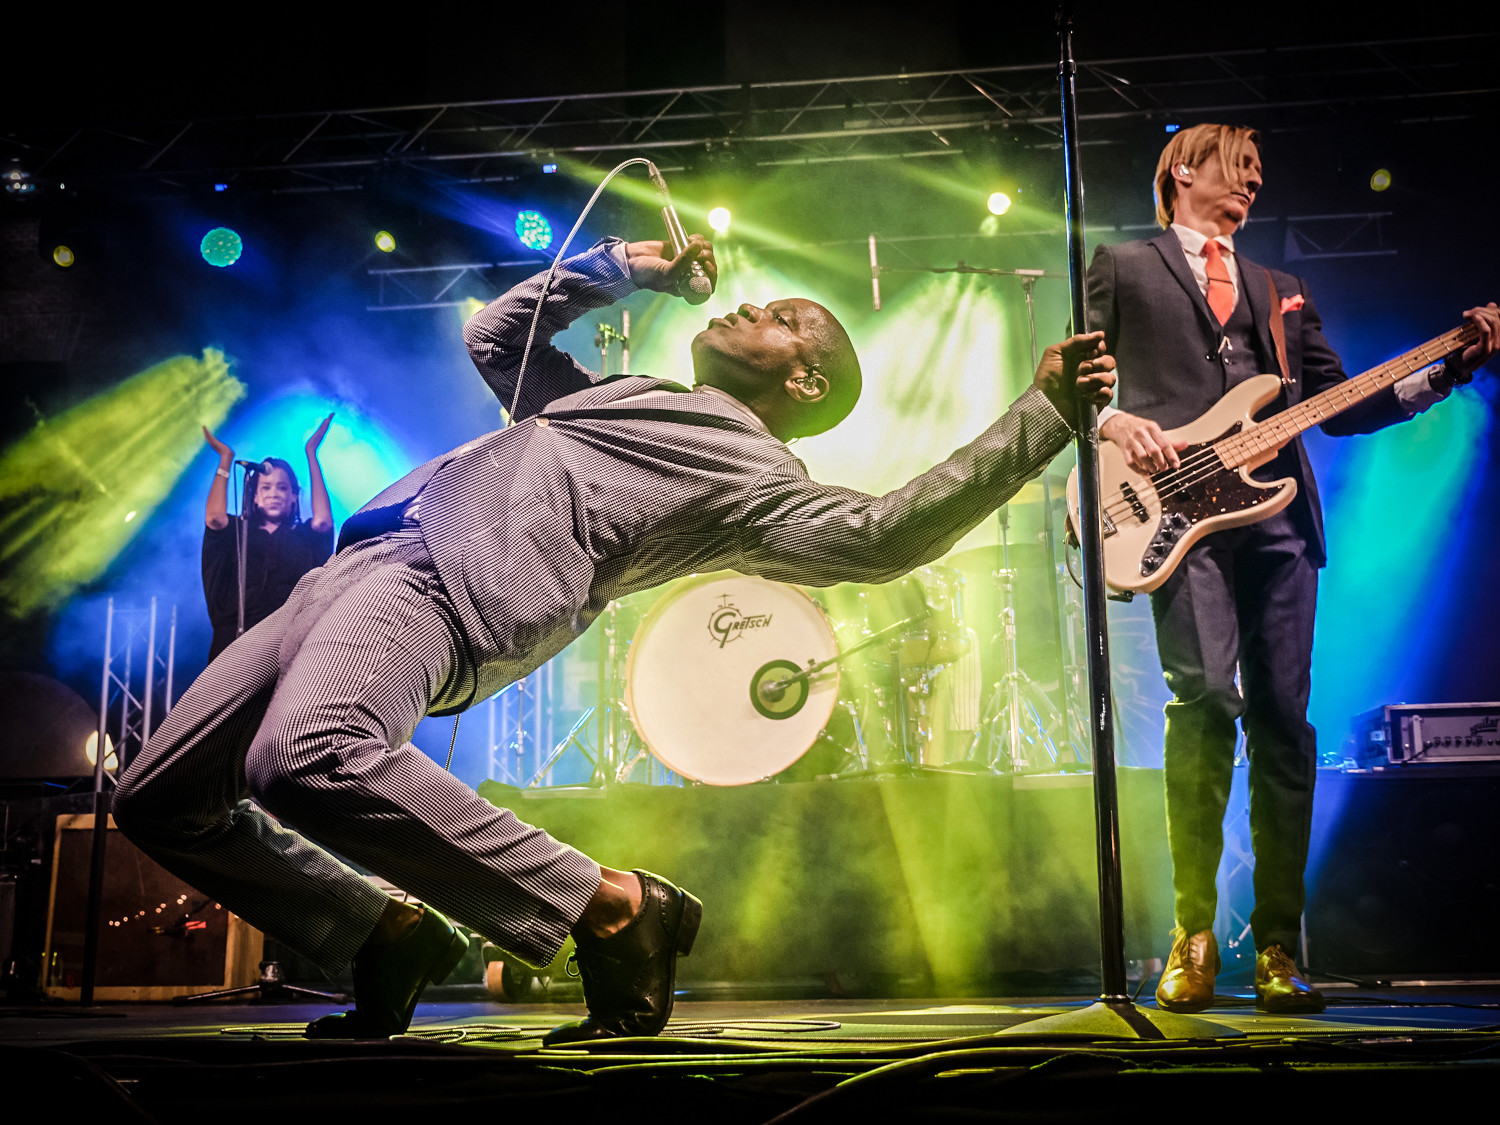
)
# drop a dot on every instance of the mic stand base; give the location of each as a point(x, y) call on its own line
point(1120, 1019)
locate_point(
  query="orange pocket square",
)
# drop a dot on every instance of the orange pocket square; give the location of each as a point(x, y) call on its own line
point(1292, 304)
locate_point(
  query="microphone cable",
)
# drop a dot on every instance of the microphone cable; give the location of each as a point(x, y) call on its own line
point(536, 316)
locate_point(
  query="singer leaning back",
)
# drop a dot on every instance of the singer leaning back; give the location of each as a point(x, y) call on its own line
point(483, 563)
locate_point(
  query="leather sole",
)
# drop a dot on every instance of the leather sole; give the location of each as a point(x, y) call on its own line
point(692, 918)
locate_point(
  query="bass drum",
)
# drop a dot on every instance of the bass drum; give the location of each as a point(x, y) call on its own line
point(705, 678)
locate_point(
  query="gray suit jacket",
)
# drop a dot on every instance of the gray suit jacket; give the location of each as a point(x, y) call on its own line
point(584, 497)
point(1160, 330)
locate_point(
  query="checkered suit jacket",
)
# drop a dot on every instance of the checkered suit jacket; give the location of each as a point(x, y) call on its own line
point(584, 497)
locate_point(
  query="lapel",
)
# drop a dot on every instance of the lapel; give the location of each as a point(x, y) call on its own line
point(1174, 258)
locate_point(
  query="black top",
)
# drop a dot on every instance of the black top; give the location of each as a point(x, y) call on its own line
point(274, 561)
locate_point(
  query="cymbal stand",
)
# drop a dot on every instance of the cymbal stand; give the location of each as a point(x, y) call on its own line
point(613, 731)
point(1013, 734)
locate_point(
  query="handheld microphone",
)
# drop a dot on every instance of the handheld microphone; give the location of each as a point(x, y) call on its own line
point(697, 288)
point(256, 466)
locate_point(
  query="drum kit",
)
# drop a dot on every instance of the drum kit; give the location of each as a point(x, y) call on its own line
point(727, 679)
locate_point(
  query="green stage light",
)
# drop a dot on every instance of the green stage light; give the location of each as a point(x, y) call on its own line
point(385, 241)
point(999, 203)
point(533, 229)
point(78, 486)
point(718, 220)
point(1380, 179)
point(63, 255)
point(221, 247)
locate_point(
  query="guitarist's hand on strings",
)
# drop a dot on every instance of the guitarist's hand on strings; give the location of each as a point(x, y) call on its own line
point(1076, 369)
point(1477, 354)
point(1146, 448)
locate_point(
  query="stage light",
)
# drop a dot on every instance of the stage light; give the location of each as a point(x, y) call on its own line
point(548, 169)
point(63, 255)
point(1380, 179)
point(91, 752)
point(18, 181)
point(718, 220)
point(533, 229)
point(66, 486)
point(221, 247)
point(1173, 128)
point(221, 187)
point(999, 203)
point(385, 241)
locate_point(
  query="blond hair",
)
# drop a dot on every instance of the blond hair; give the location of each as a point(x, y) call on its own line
point(1192, 147)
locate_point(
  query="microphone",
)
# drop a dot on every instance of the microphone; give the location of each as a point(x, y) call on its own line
point(256, 466)
point(697, 288)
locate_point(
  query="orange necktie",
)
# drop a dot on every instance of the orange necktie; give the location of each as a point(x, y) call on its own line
point(1220, 291)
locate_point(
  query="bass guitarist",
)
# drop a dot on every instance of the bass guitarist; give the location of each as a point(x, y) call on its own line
point(1187, 319)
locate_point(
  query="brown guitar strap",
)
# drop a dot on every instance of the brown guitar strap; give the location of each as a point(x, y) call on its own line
point(1278, 333)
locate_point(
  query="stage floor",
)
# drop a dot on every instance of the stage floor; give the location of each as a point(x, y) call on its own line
point(758, 1060)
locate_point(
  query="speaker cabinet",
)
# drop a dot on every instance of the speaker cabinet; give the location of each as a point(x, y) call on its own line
point(159, 938)
point(1404, 878)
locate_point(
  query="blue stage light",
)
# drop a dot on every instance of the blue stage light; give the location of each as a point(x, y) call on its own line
point(533, 229)
point(221, 247)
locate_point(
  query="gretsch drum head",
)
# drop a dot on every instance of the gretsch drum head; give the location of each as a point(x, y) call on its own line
point(697, 668)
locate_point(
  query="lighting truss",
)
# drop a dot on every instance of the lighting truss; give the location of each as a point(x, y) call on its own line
point(773, 123)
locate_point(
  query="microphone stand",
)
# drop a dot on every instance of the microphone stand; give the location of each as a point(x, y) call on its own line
point(242, 544)
point(1113, 1015)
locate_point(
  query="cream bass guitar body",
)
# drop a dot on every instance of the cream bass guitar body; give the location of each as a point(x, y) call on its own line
point(1150, 521)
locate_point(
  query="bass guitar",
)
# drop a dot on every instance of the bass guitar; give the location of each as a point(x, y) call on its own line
point(1149, 522)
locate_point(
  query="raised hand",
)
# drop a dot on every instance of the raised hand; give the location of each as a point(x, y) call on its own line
point(317, 436)
point(226, 455)
point(649, 270)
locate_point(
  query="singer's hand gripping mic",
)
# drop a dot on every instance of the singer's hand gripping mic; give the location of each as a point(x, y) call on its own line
point(697, 288)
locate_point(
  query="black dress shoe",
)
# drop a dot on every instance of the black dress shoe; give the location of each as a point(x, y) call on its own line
point(627, 977)
point(1281, 988)
point(390, 976)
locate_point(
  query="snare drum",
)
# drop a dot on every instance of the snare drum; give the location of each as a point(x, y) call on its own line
point(707, 678)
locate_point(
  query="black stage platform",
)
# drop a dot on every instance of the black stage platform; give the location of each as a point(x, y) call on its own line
point(733, 1061)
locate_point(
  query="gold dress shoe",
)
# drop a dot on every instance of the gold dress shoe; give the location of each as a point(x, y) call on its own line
point(1279, 987)
point(1187, 984)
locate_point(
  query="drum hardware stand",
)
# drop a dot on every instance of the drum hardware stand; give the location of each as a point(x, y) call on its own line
point(605, 335)
point(1013, 724)
point(774, 689)
point(609, 716)
point(270, 987)
point(1029, 278)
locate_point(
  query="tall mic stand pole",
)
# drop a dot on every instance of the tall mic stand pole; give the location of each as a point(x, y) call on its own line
point(242, 544)
point(1113, 1015)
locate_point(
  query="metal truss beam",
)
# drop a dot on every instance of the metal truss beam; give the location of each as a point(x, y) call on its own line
point(773, 123)
point(1343, 235)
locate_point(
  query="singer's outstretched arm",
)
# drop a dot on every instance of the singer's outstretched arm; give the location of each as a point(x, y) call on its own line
point(607, 272)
